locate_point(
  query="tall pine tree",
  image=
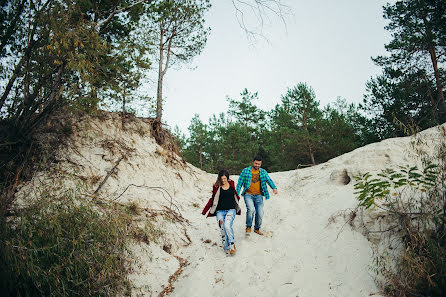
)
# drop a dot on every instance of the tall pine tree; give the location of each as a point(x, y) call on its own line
point(410, 90)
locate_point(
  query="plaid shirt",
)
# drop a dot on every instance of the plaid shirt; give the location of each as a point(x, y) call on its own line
point(245, 177)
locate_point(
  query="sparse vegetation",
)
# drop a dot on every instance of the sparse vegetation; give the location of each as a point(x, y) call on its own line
point(149, 233)
point(65, 245)
point(410, 259)
point(133, 208)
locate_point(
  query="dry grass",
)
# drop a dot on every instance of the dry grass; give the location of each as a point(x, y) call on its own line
point(63, 246)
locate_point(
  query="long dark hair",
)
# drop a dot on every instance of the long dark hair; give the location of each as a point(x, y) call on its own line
point(220, 174)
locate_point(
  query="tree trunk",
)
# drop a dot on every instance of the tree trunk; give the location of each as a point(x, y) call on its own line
point(282, 145)
point(12, 26)
point(123, 109)
point(18, 70)
point(48, 106)
point(310, 148)
point(440, 94)
point(428, 87)
point(159, 93)
point(311, 151)
point(161, 71)
point(201, 158)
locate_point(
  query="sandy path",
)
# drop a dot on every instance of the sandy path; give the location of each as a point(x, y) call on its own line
point(299, 257)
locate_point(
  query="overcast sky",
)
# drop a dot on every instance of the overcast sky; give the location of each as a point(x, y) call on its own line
point(326, 44)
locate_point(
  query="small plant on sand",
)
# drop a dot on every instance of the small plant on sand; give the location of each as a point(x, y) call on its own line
point(147, 234)
point(411, 257)
point(133, 208)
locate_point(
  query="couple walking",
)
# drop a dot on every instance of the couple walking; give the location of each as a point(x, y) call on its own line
point(224, 203)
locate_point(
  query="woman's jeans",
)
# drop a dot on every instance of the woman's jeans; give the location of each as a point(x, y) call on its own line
point(254, 205)
point(227, 233)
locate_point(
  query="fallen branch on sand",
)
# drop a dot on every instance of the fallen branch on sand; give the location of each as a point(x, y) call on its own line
point(108, 175)
point(159, 189)
point(169, 288)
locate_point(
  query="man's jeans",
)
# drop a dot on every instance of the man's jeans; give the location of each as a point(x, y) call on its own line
point(254, 205)
point(227, 233)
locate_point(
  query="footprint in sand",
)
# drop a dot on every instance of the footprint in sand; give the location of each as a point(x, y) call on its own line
point(265, 234)
point(268, 234)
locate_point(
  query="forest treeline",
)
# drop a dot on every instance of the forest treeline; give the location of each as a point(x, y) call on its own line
point(90, 55)
point(407, 96)
point(297, 132)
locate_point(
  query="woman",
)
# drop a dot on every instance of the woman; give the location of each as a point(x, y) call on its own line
point(224, 204)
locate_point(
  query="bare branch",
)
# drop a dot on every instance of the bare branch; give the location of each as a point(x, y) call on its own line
point(169, 48)
point(108, 175)
point(159, 189)
point(260, 10)
point(114, 11)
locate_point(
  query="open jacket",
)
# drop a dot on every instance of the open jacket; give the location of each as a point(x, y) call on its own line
point(211, 206)
point(244, 181)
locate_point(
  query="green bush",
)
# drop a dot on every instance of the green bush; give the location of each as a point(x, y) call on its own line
point(412, 261)
point(65, 246)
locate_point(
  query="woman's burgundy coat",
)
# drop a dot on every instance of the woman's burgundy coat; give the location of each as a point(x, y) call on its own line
point(211, 200)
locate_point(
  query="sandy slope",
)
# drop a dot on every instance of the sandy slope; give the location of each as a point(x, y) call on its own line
point(308, 250)
point(305, 253)
point(301, 256)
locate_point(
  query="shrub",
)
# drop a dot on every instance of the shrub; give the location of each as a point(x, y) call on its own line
point(413, 259)
point(65, 246)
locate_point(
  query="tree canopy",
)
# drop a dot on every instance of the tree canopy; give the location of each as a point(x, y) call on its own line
point(295, 133)
point(409, 92)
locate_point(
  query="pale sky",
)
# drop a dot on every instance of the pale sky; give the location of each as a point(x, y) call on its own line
point(326, 44)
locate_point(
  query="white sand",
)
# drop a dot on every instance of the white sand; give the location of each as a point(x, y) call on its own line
point(303, 253)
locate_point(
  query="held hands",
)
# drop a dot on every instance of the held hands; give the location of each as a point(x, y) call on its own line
point(275, 191)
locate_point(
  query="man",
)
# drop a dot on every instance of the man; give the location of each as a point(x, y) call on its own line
point(254, 180)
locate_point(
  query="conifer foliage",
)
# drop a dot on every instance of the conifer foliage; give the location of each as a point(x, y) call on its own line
point(410, 89)
point(297, 132)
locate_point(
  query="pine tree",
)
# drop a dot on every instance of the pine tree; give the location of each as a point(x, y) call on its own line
point(178, 25)
point(410, 90)
point(245, 111)
point(302, 104)
point(194, 151)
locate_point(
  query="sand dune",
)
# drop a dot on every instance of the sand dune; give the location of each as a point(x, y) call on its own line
point(308, 250)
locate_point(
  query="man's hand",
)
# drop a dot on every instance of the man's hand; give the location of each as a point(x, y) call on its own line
point(275, 191)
